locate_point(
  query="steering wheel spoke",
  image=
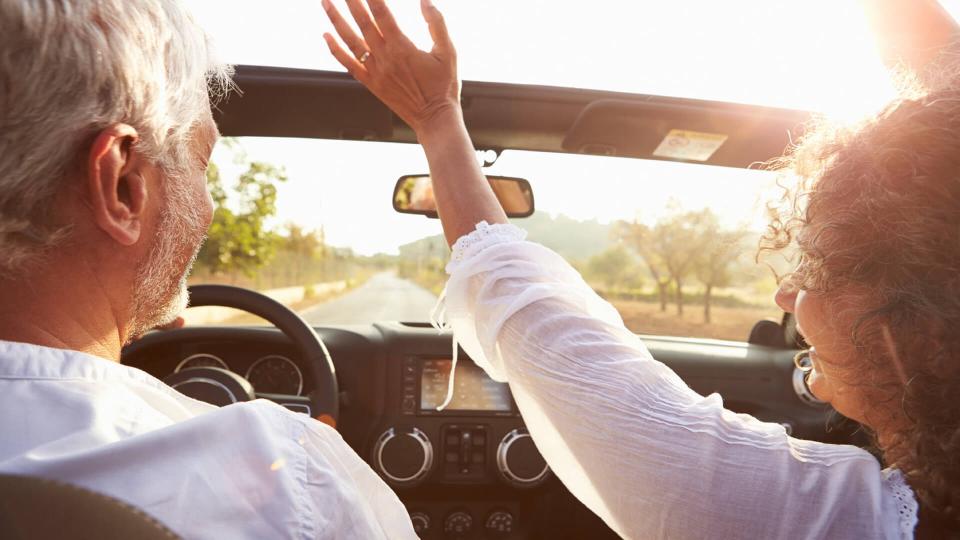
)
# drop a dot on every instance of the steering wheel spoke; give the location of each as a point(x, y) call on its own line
point(300, 404)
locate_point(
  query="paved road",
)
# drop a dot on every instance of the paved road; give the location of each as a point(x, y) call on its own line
point(384, 297)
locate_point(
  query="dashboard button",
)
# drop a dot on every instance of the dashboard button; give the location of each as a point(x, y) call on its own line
point(465, 440)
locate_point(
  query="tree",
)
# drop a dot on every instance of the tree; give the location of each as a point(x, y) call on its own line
point(720, 250)
point(640, 238)
point(670, 249)
point(614, 268)
point(302, 248)
point(238, 241)
point(609, 267)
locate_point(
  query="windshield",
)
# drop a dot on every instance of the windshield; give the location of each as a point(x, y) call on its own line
point(311, 223)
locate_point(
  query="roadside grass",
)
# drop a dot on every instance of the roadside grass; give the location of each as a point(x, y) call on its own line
point(730, 323)
point(431, 280)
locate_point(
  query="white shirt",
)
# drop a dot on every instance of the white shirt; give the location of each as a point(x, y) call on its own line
point(250, 470)
point(636, 445)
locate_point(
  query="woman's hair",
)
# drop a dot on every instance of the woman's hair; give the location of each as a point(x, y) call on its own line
point(68, 69)
point(874, 210)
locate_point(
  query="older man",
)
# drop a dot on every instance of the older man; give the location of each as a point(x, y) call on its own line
point(105, 134)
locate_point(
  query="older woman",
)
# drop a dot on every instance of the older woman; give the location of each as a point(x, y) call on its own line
point(877, 218)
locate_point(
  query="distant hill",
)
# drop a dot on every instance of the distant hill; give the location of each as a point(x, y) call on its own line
point(574, 240)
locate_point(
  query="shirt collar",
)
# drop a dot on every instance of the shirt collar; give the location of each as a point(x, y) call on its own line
point(29, 361)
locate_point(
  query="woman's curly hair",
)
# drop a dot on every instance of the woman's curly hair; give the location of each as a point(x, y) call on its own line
point(874, 210)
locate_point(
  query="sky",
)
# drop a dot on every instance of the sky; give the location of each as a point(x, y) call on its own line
point(810, 54)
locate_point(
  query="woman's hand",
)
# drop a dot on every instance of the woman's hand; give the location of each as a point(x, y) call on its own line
point(420, 87)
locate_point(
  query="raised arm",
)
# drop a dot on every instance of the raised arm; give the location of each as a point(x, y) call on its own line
point(422, 88)
point(910, 33)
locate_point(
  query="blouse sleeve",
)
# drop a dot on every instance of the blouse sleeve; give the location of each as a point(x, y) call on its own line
point(624, 433)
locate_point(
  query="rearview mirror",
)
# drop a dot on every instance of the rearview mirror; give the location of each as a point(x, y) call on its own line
point(414, 195)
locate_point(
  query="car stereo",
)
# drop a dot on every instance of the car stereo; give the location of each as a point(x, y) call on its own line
point(426, 383)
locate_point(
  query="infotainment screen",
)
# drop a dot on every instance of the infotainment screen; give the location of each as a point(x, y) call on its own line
point(473, 389)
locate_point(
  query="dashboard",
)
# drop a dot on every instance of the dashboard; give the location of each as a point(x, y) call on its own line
point(272, 373)
point(466, 467)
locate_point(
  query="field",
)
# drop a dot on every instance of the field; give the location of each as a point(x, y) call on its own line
point(732, 323)
point(729, 322)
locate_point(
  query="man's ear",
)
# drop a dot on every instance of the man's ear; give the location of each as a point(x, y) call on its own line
point(116, 183)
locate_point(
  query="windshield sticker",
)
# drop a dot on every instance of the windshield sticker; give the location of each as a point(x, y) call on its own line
point(689, 145)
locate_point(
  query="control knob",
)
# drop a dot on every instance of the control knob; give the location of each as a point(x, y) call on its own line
point(519, 462)
point(499, 524)
point(403, 457)
point(421, 523)
point(458, 524)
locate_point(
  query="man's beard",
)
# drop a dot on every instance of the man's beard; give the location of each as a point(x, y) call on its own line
point(160, 290)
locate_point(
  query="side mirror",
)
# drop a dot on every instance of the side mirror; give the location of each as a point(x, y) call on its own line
point(414, 195)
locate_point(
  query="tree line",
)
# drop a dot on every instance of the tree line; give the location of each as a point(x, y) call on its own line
point(681, 248)
point(242, 248)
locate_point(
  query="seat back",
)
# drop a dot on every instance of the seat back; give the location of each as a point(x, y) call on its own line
point(38, 508)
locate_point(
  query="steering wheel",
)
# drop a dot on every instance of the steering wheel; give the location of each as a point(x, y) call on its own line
point(221, 387)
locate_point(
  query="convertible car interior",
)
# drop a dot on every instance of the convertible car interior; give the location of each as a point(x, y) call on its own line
point(472, 470)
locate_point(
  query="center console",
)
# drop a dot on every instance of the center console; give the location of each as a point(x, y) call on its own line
point(457, 453)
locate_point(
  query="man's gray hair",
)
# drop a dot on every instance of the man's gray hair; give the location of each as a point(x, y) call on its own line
point(68, 69)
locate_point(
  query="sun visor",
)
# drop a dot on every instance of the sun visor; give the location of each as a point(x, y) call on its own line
point(693, 131)
point(299, 103)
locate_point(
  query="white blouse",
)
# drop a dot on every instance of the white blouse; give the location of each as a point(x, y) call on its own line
point(636, 445)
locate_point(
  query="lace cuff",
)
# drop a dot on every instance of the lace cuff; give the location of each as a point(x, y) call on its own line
point(485, 235)
point(468, 245)
point(905, 501)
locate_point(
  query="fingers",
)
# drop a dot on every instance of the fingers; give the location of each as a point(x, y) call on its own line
point(367, 27)
point(442, 44)
point(179, 322)
point(347, 60)
point(384, 19)
point(346, 33)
